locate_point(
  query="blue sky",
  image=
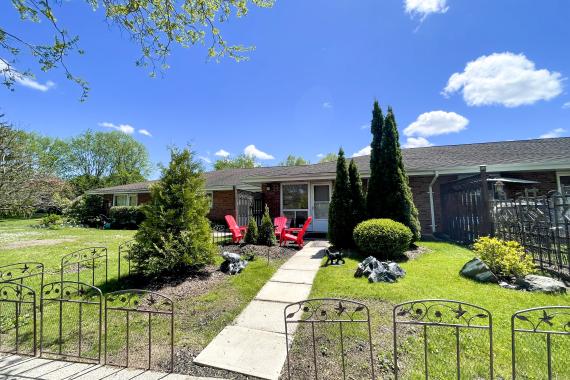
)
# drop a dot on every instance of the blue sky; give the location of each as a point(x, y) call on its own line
point(454, 71)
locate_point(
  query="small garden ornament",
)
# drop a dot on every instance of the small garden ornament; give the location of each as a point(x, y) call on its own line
point(333, 258)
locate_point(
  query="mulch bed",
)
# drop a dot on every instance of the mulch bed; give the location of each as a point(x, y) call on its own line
point(260, 251)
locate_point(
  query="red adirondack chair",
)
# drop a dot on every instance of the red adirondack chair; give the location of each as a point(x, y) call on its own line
point(288, 234)
point(238, 232)
point(280, 223)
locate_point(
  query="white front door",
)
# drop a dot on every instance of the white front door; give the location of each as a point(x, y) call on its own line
point(320, 200)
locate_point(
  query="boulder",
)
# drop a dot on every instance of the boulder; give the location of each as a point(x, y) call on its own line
point(477, 270)
point(535, 283)
point(379, 271)
point(233, 263)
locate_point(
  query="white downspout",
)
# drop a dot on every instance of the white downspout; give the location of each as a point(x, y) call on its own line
point(431, 203)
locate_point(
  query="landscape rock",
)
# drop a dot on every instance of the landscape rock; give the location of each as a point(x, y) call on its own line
point(535, 283)
point(379, 271)
point(477, 270)
point(233, 263)
point(506, 285)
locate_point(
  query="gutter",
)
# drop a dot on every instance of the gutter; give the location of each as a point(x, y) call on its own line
point(431, 203)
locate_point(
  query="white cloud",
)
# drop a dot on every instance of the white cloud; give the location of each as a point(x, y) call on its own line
point(320, 155)
point(363, 152)
point(365, 126)
point(125, 128)
point(145, 132)
point(12, 74)
point(566, 105)
point(252, 151)
point(436, 123)
point(327, 105)
point(507, 79)
point(424, 8)
point(417, 142)
point(205, 159)
point(222, 153)
point(558, 132)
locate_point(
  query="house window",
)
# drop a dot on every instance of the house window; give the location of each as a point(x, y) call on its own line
point(295, 203)
point(564, 182)
point(210, 196)
point(125, 200)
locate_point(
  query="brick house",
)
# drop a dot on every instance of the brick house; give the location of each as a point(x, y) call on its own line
point(300, 191)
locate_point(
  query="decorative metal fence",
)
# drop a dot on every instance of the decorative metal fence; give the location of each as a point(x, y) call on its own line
point(454, 315)
point(221, 235)
point(124, 257)
point(81, 265)
point(149, 317)
point(28, 273)
point(71, 321)
point(17, 319)
point(337, 317)
point(541, 224)
point(550, 321)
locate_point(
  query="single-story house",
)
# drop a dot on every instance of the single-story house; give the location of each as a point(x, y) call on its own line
point(300, 191)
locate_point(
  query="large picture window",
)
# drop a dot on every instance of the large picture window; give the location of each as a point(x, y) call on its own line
point(125, 200)
point(295, 203)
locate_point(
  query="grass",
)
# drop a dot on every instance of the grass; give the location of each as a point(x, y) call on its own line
point(436, 275)
point(198, 317)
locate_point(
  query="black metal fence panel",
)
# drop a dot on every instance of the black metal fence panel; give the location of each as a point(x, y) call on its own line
point(84, 265)
point(17, 319)
point(221, 235)
point(71, 321)
point(139, 330)
point(539, 223)
point(336, 326)
point(456, 317)
point(28, 273)
point(550, 322)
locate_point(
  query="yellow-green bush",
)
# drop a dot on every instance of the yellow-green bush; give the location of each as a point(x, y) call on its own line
point(504, 258)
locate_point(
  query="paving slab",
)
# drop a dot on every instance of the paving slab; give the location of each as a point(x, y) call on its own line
point(248, 351)
point(294, 276)
point(263, 315)
point(283, 292)
point(302, 263)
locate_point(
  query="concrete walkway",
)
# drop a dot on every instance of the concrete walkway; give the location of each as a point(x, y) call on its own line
point(255, 342)
point(20, 367)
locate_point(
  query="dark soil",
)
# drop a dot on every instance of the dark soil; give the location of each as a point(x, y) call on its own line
point(260, 251)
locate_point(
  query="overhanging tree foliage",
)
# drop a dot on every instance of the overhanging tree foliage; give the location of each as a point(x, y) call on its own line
point(240, 162)
point(328, 157)
point(292, 160)
point(373, 194)
point(358, 202)
point(156, 26)
point(394, 196)
point(340, 213)
point(176, 232)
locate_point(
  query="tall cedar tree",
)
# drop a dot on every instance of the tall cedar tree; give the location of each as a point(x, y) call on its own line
point(394, 195)
point(266, 234)
point(176, 233)
point(373, 201)
point(340, 213)
point(358, 202)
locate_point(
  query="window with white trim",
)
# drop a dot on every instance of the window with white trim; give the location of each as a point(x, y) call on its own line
point(125, 200)
point(295, 202)
point(564, 183)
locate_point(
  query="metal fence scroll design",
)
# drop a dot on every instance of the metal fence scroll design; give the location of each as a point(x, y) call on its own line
point(547, 320)
point(17, 319)
point(123, 307)
point(328, 311)
point(24, 273)
point(124, 255)
point(442, 313)
point(71, 321)
point(84, 260)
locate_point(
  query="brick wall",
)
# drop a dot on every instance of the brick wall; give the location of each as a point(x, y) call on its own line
point(547, 181)
point(420, 188)
point(272, 197)
point(143, 198)
point(224, 204)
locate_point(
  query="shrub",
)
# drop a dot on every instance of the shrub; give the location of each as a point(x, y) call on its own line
point(126, 217)
point(504, 258)
point(51, 221)
point(266, 231)
point(87, 210)
point(252, 234)
point(382, 238)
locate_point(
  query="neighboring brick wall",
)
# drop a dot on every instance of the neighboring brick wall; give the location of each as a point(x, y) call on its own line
point(547, 181)
point(143, 198)
point(224, 204)
point(420, 188)
point(272, 198)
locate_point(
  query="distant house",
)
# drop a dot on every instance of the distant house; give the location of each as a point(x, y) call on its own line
point(300, 191)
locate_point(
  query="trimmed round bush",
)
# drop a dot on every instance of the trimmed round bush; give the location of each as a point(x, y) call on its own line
point(382, 238)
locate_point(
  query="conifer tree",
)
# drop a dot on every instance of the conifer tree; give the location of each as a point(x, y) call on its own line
point(395, 198)
point(252, 233)
point(340, 214)
point(376, 171)
point(358, 202)
point(176, 232)
point(266, 230)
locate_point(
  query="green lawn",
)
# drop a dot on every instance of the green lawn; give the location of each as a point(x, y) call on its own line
point(436, 275)
point(198, 317)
